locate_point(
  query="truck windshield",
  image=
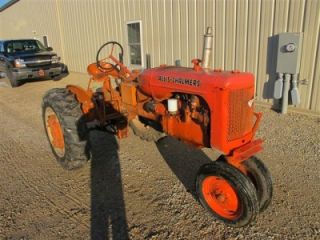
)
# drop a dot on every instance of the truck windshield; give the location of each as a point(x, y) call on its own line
point(24, 46)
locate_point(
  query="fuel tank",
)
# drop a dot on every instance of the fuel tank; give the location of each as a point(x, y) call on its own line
point(161, 82)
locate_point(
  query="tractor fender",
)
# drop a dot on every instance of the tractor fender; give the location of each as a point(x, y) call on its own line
point(83, 96)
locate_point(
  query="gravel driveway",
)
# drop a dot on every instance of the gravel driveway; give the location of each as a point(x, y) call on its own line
point(142, 190)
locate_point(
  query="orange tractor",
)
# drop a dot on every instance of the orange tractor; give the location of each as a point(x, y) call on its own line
point(200, 106)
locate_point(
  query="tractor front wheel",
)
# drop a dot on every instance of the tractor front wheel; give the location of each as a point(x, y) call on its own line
point(261, 178)
point(65, 127)
point(227, 193)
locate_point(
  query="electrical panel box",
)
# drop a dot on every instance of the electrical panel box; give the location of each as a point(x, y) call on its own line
point(289, 52)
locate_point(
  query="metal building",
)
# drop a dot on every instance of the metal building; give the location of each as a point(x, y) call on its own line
point(172, 29)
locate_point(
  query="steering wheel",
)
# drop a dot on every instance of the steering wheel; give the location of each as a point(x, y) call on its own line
point(104, 60)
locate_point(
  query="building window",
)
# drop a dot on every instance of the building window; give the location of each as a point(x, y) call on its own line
point(135, 43)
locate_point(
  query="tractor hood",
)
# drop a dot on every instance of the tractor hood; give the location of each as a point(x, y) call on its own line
point(162, 82)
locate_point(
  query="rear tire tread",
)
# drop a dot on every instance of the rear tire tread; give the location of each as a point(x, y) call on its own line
point(74, 129)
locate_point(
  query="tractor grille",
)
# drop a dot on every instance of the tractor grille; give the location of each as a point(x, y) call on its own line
point(240, 119)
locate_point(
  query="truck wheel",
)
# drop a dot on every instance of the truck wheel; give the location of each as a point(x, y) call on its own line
point(13, 82)
point(64, 73)
point(227, 193)
point(65, 128)
point(261, 178)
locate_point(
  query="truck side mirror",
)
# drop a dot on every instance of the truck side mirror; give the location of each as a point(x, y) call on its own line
point(49, 49)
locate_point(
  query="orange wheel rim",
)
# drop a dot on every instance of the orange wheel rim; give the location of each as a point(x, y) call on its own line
point(221, 197)
point(55, 132)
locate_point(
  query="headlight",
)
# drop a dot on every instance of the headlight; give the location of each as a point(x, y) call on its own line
point(55, 59)
point(19, 63)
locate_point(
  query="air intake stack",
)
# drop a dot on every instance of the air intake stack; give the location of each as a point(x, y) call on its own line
point(207, 48)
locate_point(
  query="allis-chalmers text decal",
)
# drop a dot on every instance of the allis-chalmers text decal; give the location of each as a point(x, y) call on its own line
point(182, 81)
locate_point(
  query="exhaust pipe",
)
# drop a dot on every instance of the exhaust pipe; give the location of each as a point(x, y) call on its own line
point(207, 48)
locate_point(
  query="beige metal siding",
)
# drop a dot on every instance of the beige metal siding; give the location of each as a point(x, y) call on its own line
point(230, 31)
point(173, 29)
point(253, 34)
point(315, 98)
point(310, 41)
point(266, 23)
point(210, 21)
point(219, 37)
point(241, 34)
point(31, 19)
point(176, 26)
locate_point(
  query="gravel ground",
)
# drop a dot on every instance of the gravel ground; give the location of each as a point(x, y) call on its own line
point(142, 190)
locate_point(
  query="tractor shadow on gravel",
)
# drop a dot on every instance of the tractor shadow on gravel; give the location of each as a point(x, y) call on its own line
point(183, 160)
point(108, 216)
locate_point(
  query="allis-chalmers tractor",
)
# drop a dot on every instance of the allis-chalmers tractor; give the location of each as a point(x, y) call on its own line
point(200, 106)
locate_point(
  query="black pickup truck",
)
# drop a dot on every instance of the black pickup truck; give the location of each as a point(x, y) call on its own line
point(25, 59)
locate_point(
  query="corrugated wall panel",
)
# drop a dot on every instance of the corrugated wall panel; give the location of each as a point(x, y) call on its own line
point(148, 29)
point(173, 29)
point(296, 14)
point(163, 31)
point(210, 21)
point(315, 98)
point(253, 36)
point(201, 25)
point(65, 18)
point(241, 35)
point(176, 25)
point(122, 27)
point(156, 28)
point(169, 32)
point(192, 30)
point(230, 38)
point(184, 31)
point(266, 28)
point(219, 39)
point(281, 16)
point(311, 34)
point(115, 18)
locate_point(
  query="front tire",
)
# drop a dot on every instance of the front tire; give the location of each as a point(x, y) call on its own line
point(12, 81)
point(65, 128)
point(261, 178)
point(227, 194)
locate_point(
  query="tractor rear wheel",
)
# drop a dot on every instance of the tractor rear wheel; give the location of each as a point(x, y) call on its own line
point(261, 178)
point(227, 193)
point(65, 128)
